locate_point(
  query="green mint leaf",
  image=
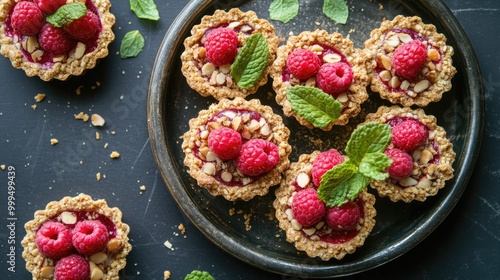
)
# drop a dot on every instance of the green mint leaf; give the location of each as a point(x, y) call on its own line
point(145, 9)
point(347, 190)
point(199, 275)
point(283, 10)
point(67, 14)
point(372, 137)
point(251, 61)
point(336, 10)
point(132, 44)
point(314, 105)
point(373, 165)
point(333, 178)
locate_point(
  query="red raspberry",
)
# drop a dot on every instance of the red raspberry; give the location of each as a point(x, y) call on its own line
point(27, 18)
point(409, 134)
point(221, 45)
point(90, 236)
point(344, 217)
point(303, 64)
point(54, 40)
point(402, 163)
point(53, 240)
point(86, 28)
point(334, 78)
point(409, 59)
point(307, 208)
point(225, 143)
point(73, 267)
point(257, 156)
point(324, 162)
point(49, 6)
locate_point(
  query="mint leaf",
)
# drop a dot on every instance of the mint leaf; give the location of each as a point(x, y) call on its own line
point(132, 44)
point(145, 9)
point(251, 61)
point(334, 177)
point(67, 14)
point(314, 105)
point(284, 10)
point(373, 165)
point(372, 137)
point(199, 275)
point(346, 190)
point(336, 10)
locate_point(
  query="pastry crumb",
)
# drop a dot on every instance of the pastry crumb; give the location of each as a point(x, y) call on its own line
point(97, 120)
point(166, 274)
point(39, 97)
point(142, 188)
point(98, 176)
point(182, 228)
point(97, 135)
point(53, 141)
point(114, 154)
point(2, 166)
point(82, 116)
point(78, 90)
point(33, 106)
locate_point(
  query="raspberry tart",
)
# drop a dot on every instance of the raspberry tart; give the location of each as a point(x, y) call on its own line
point(76, 238)
point(213, 61)
point(319, 230)
point(55, 39)
point(327, 62)
point(237, 148)
point(410, 62)
point(422, 156)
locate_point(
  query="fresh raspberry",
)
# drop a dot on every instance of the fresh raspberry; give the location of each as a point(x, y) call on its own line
point(257, 156)
point(72, 267)
point(334, 78)
point(303, 64)
point(344, 217)
point(225, 143)
point(409, 59)
point(86, 28)
point(53, 240)
point(27, 18)
point(49, 6)
point(324, 162)
point(409, 134)
point(307, 208)
point(54, 40)
point(402, 163)
point(221, 46)
point(90, 236)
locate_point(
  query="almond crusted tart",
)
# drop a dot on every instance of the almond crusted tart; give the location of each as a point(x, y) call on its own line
point(40, 38)
point(237, 149)
point(76, 238)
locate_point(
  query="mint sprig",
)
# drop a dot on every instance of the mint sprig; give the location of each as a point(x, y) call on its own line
point(199, 275)
point(145, 9)
point(67, 14)
point(336, 10)
point(251, 61)
point(367, 161)
point(286, 10)
point(132, 44)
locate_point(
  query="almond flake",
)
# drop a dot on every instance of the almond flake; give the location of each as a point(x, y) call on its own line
point(97, 120)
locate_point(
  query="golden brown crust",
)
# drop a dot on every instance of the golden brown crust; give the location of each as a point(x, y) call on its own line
point(435, 78)
point(37, 264)
point(427, 177)
point(193, 58)
point(308, 243)
point(195, 146)
point(313, 40)
point(72, 64)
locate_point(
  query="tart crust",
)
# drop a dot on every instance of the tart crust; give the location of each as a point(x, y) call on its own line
point(431, 176)
point(73, 65)
point(193, 58)
point(37, 264)
point(435, 78)
point(313, 40)
point(303, 242)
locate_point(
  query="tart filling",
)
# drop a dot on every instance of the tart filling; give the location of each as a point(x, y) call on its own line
point(249, 120)
point(433, 76)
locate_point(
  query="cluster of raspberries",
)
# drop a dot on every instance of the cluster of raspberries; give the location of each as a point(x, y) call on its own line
point(56, 241)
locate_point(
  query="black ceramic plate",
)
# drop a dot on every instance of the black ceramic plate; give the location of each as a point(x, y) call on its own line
point(399, 226)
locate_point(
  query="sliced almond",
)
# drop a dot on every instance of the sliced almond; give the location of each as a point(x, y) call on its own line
point(68, 218)
point(226, 176)
point(342, 97)
point(421, 86)
point(208, 168)
point(408, 181)
point(47, 271)
point(296, 225)
point(405, 38)
point(309, 231)
point(207, 69)
point(303, 179)
point(385, 75)
point(395, 82)
point(426, 156)
point(424, 183)
point(78, 51)
point(433, 54)
point(114, 244)
point(98, 257)
point(331, 58)
point(392, 40)
point(265, 130)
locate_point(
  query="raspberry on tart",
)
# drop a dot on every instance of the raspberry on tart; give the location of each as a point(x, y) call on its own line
point(409, 62)
point(74, 238)
point(423, 148)
point(210, 51)
point(250, 170)
point(319, 230)
point(55, 50)
point(341, 73)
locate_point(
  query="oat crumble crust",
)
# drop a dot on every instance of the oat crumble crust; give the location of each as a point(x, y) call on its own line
point(439, 70)
point(194, 138)
point(72, 66)
point(310, 40)
point(36, 263)
point(318, 248)
point(435, 174)
point(193, 57)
